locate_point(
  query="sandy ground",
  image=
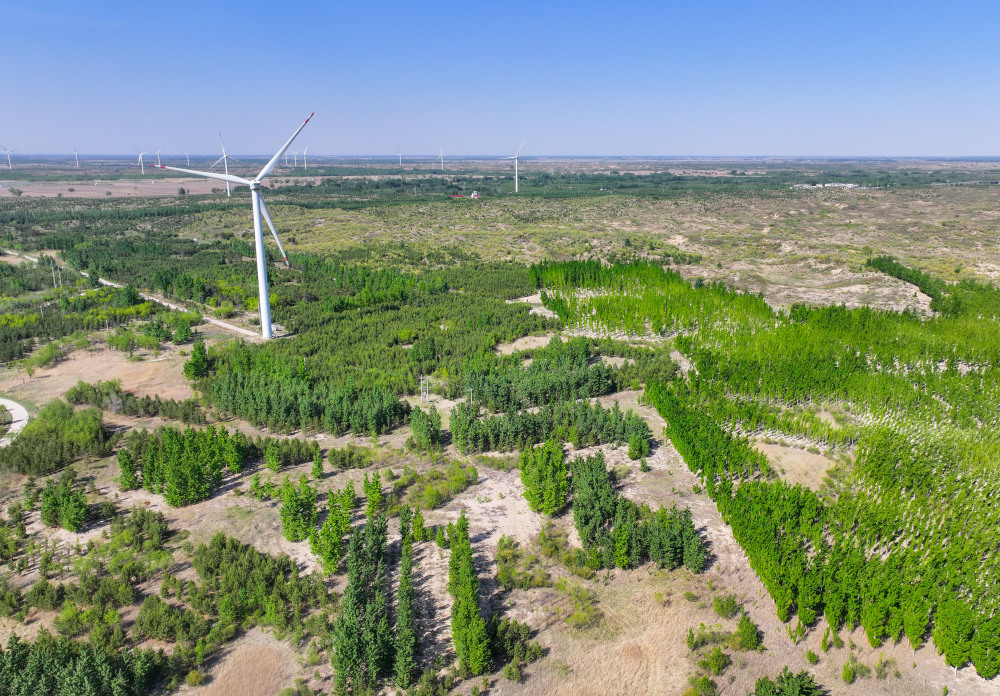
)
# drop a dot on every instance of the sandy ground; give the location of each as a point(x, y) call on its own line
point(536, 305)
point(152, 376)
point(524, 343)
point(795, 465)
point(151, 186)
point(255, 664)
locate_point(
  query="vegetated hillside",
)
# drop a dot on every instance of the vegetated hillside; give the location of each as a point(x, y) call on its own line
point(366, 324)
point(910, 547)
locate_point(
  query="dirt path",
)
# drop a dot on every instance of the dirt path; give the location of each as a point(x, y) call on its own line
point(19, 419)
point(209, 320)
point(153, 298)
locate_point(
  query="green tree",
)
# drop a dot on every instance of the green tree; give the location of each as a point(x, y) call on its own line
point(426, 428)
point(298, 509)
point(467, 625)
point(196, 366)
point(373, 494)
point(126, 464)
point(317, 467)
point(544, 477)
point(985, 649)
point(953, 627)
point(406, 631)
point(419, 532)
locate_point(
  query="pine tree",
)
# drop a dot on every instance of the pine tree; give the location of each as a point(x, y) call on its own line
point(126, 463)
point(349, 654)
point(544, 477)
point(317, 468)
point(373, 494)
point(298, 509)
point(197, 364)
point(419, 532)
point(468, 627)
point(406, 632)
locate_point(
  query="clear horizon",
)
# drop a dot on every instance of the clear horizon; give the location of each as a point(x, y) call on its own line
point(674, 80)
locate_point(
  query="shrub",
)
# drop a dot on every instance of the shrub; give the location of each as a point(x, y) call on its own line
point(715, 661)
point(748, 633)
point(727, 607)
point(847, 674)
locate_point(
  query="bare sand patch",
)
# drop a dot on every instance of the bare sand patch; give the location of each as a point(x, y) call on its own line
point(524, 343)
point(256, 664)
point(536, 305)
point(796, 466)
point(163, 376)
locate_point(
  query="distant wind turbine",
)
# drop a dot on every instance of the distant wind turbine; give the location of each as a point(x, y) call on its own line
point(187, 155)
point(305, 163)
point(259, 210)
point(515, 158)
point(442, 160)
point(9, 165)
point(295, 159)
point(77, 156)
point(400, 152)
point(158, 157)
point(142, 167)
point(225, 162)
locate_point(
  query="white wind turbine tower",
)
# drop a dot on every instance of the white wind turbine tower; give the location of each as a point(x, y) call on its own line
point(9, 165)
point(142, 167)
point(77, 156)
point(400, 156)
point(515, 158)
point(225, 162)
point(259, 210)
point(305, 162)
point(158, 157)
point(295, 159)
point(187, 155)
point(441, 151)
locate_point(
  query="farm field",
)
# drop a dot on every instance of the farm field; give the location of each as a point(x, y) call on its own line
point(648, 427)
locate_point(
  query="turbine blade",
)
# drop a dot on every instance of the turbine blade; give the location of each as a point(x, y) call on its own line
point(274, 160)
point(274, 232)
point(208, 175)
point(520, 148)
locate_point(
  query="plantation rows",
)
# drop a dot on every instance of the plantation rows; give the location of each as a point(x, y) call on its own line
point(910, 548)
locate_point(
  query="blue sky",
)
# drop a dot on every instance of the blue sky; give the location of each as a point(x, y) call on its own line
point(582, 78)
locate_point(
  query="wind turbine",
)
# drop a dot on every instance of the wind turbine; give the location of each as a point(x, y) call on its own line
point(259, 210)
point(442, 158)
point(158, 157)
point(295, 159)
point(187, 155)
point(77, 156)
point(515, 158)
point(400, 152)
point(305, 163)
point(225, 162)
point(141, 166)
point(9, 165)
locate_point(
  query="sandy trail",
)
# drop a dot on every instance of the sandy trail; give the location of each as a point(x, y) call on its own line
point(19, 416)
